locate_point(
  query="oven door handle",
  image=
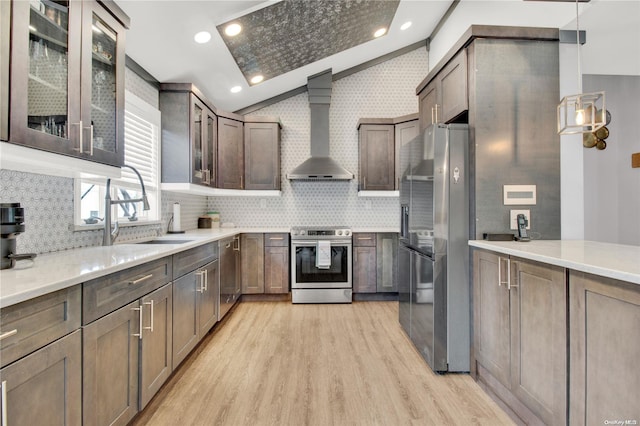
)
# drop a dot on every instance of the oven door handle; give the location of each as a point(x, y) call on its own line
point(311, 243)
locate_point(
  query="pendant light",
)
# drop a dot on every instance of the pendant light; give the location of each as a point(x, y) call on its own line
point(584, 112)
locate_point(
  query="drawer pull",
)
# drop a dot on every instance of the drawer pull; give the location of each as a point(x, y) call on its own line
point(364, 238)
point(276, 238)
point(141, 279)
point(8, 334)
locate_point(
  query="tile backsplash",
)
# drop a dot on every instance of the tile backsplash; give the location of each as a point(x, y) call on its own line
point(384, 90)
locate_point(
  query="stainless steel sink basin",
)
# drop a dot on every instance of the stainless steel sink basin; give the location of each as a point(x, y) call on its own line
point(165, 242)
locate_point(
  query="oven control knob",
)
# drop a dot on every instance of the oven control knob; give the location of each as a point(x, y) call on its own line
point(294, 232)
point(303, 232)
point(339, 232)
point(347, 232)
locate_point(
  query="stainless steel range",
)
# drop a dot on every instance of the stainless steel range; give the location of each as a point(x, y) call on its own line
point(321, 264)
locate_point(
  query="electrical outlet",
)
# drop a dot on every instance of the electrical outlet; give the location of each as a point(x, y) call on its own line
point(514, 218)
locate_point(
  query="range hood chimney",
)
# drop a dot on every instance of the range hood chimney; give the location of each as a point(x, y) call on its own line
point(320, 166)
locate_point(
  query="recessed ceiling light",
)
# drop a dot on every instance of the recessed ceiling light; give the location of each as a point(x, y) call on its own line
point(232, 30)
point(257, 79)
point(405, 25)
point(202, 37)
point(236, 89)
point(380, 32)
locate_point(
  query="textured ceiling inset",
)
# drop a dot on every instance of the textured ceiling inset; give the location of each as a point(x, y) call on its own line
point(293, 33)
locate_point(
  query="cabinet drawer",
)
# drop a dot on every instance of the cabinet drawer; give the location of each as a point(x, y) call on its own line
point(276, 240)
point(32, 324)
point(106, 294)
point(364, 239)
point(190, 260)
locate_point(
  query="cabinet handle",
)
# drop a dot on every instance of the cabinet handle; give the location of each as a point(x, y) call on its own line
point(8, 334)
point(432, 117)
point(436, 114)
point(80, 147)
point(90, 128)
point(138, 335)
point(364, 238)
point(141, 279)
point(200, 275)
point(500, 280)
point(150, 328)
point(236, 248)
point(206, 280)
point(4, 403)
point(510, 285)
point(241, 183)
point(276, 238)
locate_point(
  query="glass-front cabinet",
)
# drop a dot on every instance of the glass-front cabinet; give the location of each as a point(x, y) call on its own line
point(203, 142)
point(67, 79)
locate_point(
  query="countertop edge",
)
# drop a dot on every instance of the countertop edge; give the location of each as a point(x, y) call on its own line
point(529, 251)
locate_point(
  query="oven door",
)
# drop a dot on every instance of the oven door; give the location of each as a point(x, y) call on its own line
point(305, 274)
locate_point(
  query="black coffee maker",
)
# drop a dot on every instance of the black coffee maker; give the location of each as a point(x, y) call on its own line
point(11, 224)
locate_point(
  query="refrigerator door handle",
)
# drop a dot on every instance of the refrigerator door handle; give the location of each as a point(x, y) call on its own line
point(404, 221)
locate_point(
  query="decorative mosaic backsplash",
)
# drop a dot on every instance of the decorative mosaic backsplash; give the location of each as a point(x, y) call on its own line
point(385, 90)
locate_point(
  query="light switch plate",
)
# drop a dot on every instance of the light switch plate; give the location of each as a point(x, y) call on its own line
point(514, 218)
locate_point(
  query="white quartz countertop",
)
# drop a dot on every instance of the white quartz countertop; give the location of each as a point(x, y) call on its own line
point(621, 262)
point(50, 272)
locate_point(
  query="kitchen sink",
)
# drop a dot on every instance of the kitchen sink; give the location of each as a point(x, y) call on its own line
point(165, 242)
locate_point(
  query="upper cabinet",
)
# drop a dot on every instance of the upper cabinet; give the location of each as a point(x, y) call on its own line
point(262, 153)
point(67, 79)
point(230, 154)
point(445, 97)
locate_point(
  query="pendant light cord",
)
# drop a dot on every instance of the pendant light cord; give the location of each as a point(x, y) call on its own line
point(578, 43)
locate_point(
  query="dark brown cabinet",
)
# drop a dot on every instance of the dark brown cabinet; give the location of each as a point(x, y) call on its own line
point(252, 263)
point(377, 156)
point(189, 136)
point(230, 276)
point(387, 262)
point(276, 263)
point(406, 128)
point(445, 97)
point(261, 154)
point(364, 263)
point(520, 335)
point(67, 79)
point(230, 167)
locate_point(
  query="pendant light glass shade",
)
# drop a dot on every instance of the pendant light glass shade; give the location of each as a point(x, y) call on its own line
point(581, 113)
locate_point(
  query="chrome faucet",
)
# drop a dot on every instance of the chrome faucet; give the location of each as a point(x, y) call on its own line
point(110, 236)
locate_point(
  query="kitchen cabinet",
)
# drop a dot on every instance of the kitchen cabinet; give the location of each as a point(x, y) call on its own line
point(189, 136)
point(230, 168)
point(156, 344)
point(45, 387)
point(604, 349)
point(261, 153)
point(276, 263)
point(67, 79)
point(5, 49)
point(446, 97)
point(119, 314)
point(406, 128)
point(376, 156)
point(364, 263)
point(386, 262)
point(252, 263)
point(520, 334)
point(194, 300)
point(41, 357)
point(230, 282)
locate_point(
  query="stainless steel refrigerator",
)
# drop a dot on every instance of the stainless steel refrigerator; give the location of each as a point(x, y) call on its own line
point(433, 254)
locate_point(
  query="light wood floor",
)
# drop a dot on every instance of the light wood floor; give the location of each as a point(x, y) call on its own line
point(274, 363)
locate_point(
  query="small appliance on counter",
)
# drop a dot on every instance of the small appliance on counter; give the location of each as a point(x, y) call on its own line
point(11, 224)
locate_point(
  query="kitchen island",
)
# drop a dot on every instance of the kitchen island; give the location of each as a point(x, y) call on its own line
point(556, 329)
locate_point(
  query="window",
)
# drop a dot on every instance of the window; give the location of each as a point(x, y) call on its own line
point(141, 151)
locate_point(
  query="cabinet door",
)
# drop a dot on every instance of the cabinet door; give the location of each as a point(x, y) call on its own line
point(46, 386)
point(185, 316)
point(227, 275)
point(230, 154)
point(200, 172)
point(404, 133)
point(156, 345)
point(110, 367)
point(262, 156)
point(491, 310)
point(604, 350)
point(427, 104)
point(276, 270)
point(45, 76)
point(102, 85)
point(252, 260)
point(539, 339)
point(377, 157)
point(212, 146)
point(5, 49)
point(387, 262)
point(208, 309)
point(453, 88)
point(364, 269)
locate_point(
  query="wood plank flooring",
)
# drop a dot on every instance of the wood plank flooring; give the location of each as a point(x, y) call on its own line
point(275, 363)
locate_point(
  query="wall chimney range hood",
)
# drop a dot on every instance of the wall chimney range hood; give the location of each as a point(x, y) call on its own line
point(320, 166)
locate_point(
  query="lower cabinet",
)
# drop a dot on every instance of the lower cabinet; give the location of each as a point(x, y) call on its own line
point(110, 367)
point(45, 387)
point(230, 281)
point(520, 335)
point(252, 263)
point(375, 263)
point(387, 262)
point(265, 263)
point(194, 308)
point(604, 350)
